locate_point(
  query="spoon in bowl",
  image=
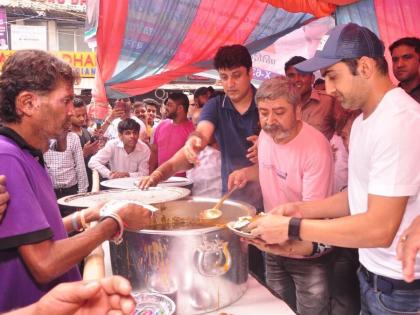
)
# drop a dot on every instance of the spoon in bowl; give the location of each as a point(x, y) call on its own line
point(215, 213)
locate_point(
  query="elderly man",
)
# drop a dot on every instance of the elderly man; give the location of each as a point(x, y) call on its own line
point(384, 177)
point(291, 168)
point(36, 93)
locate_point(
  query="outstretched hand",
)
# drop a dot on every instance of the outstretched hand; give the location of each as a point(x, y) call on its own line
point(106, 296)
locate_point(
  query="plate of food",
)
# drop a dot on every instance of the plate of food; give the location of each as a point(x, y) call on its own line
point(240, 227)
point(153, 303)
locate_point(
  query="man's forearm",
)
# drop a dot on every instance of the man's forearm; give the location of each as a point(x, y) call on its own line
point(50, 259)
point(332, 207)
point(252, 173)
point(175, 164)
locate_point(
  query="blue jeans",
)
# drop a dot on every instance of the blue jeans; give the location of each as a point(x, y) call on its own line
point(301, 283)
point(398, 302)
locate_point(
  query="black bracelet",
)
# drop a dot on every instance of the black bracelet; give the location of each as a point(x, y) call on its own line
point(294, 229)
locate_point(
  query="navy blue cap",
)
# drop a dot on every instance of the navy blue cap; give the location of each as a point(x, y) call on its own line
point(345, 41)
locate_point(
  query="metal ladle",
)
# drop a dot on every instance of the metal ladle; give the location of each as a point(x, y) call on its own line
point(215, 213)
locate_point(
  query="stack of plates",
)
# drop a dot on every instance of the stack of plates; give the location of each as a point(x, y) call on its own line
point(131, 182)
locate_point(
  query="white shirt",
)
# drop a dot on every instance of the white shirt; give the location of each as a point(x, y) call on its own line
point(67, 168)
point(207, 176)
point(112, 130)
point(383, 160)
point(136, 163)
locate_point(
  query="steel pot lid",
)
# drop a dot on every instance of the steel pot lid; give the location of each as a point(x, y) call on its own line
point(131, 182)
point(150, 196)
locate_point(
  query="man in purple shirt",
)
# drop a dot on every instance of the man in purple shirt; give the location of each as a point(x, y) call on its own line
point(36, 102)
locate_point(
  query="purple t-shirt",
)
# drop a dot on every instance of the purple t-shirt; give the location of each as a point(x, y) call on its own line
point(170, 137)
point(32, 216)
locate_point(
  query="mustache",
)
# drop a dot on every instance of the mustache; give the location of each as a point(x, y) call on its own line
point(273, 129)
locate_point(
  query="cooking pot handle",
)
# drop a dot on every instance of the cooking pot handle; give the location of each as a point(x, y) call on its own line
point(219, 267)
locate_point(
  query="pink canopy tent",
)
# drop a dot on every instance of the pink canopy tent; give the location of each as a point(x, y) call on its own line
point(143, 44)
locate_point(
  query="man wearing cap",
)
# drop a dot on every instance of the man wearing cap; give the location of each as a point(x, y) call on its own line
point(384, 179)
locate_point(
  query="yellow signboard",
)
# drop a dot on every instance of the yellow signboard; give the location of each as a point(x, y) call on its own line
point(84, 62)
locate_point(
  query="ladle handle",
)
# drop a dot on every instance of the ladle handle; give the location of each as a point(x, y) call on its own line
point(225, 196)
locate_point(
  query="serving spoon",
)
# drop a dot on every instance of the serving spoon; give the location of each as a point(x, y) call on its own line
point(215, 212)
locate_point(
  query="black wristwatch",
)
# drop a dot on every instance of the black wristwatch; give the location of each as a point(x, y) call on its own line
point(294, 229)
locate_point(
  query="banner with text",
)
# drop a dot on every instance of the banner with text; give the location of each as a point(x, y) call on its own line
point(84, 62)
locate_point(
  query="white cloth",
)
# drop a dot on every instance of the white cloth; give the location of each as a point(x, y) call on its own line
point(112, 130)
point(383, 160)
point(206, 177)
point(67, 168)
point(341, 157)
point(136, 163)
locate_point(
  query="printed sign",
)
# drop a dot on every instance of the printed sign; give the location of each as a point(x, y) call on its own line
point(83, 62)
point(28, 37)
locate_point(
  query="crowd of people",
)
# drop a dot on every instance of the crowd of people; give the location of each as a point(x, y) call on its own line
point(330, 161)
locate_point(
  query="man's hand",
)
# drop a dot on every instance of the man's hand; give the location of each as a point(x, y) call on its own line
point(252, 154)
point(90, 148)
point(192, 147)
point(291, 209)
point(151, 180)
point(106, 296)
point(114, 175)
point(4, 196)
point(272, 229)
point(237, 179)
point(116, 113)
point(408, 247)
point(294, 249)
point(135, 216)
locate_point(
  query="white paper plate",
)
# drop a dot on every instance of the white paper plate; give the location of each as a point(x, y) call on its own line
point(230, 226)
point(131, 182)
point(150, 196)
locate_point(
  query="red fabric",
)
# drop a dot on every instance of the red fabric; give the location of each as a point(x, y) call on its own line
point(318, 8)
point(220, 28)
point(112, 17)
point(396, 19)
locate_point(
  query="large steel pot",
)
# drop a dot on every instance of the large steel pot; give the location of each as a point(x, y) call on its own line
point(201, 269)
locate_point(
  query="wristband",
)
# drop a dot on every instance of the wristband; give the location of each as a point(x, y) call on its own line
point(294, 229)
point(83, 220)
point(74, 223)
point(108, 211)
